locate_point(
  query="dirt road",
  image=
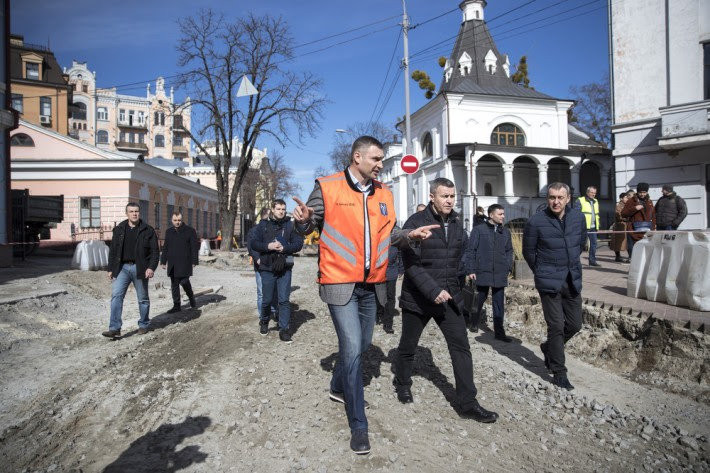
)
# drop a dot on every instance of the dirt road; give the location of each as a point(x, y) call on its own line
point(203, 391)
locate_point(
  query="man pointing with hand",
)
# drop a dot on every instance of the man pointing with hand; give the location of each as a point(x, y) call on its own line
point(355, 215)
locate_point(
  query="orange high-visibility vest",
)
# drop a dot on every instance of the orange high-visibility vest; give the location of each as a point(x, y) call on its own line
point(342, 240)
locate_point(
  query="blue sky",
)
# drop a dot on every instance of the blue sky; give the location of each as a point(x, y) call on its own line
point(134, 41)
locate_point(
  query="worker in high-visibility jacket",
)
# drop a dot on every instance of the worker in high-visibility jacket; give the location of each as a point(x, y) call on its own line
point(356, 217)
point(589, 206)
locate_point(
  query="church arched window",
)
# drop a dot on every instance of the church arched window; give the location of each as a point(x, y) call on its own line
point(427, 146)
point(507, 134)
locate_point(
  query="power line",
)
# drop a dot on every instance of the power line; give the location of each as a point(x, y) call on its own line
point(384, 81)
point(389, 94)
point(432, 19)
point(345, 32)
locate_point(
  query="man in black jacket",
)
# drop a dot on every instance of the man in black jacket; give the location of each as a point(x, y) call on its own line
point(431, 290)
point(255, 255)
point(671, 209)
point(276, 241)
point(180, 252)
point(132, 258)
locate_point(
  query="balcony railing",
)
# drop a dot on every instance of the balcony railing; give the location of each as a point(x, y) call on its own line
point(685, 125)
point(133, 124)
point(125, 145)
point(179, 149)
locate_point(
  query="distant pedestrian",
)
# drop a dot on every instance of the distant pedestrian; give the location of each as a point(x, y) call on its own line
point(480, 217)
point(618, 240)
point(552, 245)
point(132, 258)
point(671, 209)
point(589, 206)
point(640, 216)
point(355, 215)
point(276, 241)
point(489, 257)
point(431, 290)
point(255, 258)
point(421, 207)
point(180, 254)
point(395, 268)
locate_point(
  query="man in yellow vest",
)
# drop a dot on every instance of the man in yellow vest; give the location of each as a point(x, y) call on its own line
point(356, 217)
point(589, 206)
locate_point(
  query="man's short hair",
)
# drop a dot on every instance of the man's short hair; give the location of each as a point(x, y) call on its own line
point(622, 195)
point(591, 187)
point(264, 213)
point(363, 142)
point(177, 212)
point(278, 202)
point(439, 182)
point(493, 207)
point(479, 209)
point(557, 186)
point(132, 204)
point(421, 207)
point(667, 188)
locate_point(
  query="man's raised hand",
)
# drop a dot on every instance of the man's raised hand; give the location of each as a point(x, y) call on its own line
point(422, 233)
point(302, 213)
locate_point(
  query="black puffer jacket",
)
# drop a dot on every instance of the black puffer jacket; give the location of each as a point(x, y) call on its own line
point(147, 252)
point(671, 210)
point(432, 266)
point(269, 230)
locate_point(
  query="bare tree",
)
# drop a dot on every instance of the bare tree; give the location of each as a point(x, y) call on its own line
point(278, 181)
point(340, 153)
point(216, 54)
point(592, 110)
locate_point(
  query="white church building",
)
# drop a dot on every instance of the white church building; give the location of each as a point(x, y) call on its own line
point(498, 141)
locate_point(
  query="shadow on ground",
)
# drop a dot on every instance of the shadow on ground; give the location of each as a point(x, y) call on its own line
point(516, 352)
point(157, 451)
point(299, 317)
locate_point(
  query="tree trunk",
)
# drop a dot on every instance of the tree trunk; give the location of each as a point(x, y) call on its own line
point(227, 224)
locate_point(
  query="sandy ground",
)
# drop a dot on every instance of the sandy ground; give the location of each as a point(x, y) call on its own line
point(203, 391)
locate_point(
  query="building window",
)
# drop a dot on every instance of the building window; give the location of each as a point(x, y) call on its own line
point(159, 141)
point(141, 117)
point(189, 217)
point(158, 118)
point(121, 115)
point(706, 63)
point(32, 70)
point(169, 219)
point(507, 134)
point(177, 121)
point(45, 106)
point(85, 88)
point(78, 111)
point(141, 137)
point(102, 137)
point(177, 139)
point(122, 137)
point(21, 139)
point(102, 114)
point(131, 137)
point(487, 189)
point(156, 216)
point(427, 146)
point(90, 212)
point(131, 116)
point(17, 103)
point(143, 206)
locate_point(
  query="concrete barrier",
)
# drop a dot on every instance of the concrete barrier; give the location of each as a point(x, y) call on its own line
point(205, 248)
point(90, 255)
point(697, 287)
point(641, 255)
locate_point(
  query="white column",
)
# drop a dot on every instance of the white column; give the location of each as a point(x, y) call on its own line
point(574, 171)
point(542, 179)
point(508, 173)
point(436, 144)
point(604, 190)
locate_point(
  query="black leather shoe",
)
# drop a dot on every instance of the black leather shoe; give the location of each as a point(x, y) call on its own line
point(404, 393)
point(479, 414)
point(543, 348)
point(111, 333)
point(193, 302)
point(264, 328)
point(175, 308)
point(561, 381)
point(359, 443)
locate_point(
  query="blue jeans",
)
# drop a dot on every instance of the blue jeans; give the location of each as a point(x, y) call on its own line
point(272, 284)
point(592, 246)
point(353, 323)
point(126, 276)
point(274, 302)
point(498, 299)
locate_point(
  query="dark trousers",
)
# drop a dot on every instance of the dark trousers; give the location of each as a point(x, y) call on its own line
point(175, 283)
point(453, 326)
point(385, 313)
point(498, 299)
point(592, 246)
point(563, 315)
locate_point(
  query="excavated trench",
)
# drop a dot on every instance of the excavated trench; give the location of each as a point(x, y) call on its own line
point(643, 348)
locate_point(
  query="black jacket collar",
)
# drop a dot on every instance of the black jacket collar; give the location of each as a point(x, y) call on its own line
point(141, 225)
point(430, 209)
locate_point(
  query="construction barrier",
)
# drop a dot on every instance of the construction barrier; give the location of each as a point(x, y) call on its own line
point(672, 267)
point(90, 255)
point(205, 248)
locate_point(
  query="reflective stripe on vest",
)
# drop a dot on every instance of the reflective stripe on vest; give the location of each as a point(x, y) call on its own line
point(587, 211)
point(342, 241)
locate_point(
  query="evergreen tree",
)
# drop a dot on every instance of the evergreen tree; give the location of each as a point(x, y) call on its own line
point(521, 73)
point(425, 83)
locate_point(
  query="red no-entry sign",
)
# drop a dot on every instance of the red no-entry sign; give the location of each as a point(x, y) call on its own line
point(410, 164)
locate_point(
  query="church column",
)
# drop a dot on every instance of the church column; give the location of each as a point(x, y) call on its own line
point(574, 172)
point(542, 179)
point(508, 173)
point(604, 190)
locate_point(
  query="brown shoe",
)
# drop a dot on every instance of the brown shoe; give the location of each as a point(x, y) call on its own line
point(143, 331)
point(111, 333)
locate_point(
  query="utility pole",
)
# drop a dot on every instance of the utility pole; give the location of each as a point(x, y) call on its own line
point(405, 62)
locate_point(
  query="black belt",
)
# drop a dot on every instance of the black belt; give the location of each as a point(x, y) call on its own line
point(128, 262)
point(365, 285)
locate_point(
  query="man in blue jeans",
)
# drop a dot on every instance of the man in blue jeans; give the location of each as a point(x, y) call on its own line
point(355, 214)
point(132, 258)
point(255, 257)
point(276, 241)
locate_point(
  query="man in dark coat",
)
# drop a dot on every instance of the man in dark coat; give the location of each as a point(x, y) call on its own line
point(180, 252)
point(489, 260)
point(276, 241)
point(431, 289)
point(255, 255)
point(132, 258)
point(552, 245)
point(671, 209)
point(385, 313)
